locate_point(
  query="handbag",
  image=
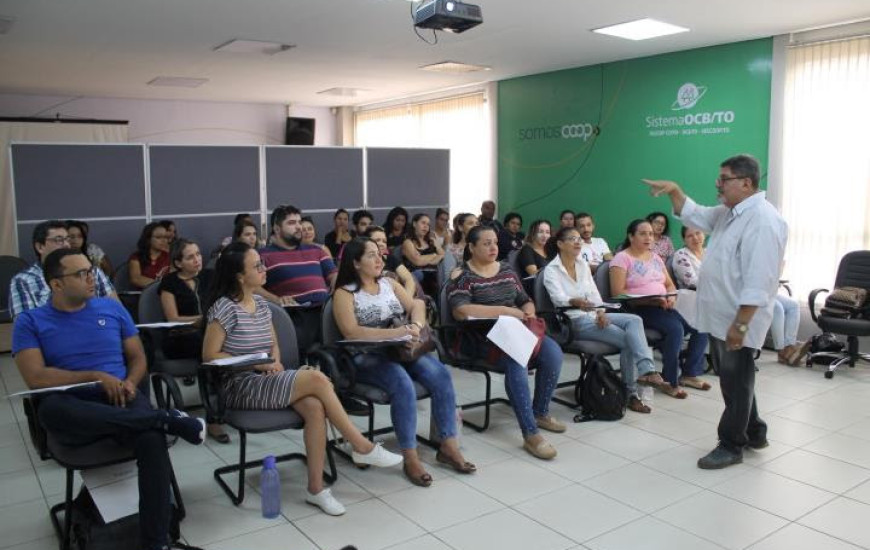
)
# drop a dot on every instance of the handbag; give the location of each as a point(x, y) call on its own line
point(845, 302)
point(424, 345)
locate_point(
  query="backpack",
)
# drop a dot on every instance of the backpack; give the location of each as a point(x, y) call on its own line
point(600, 392)
point(89, 532)
point(827, 346)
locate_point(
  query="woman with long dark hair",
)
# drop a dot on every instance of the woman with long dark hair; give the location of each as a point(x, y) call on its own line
point(240, 322)
point(392, 266)
point(151, 259)
point(441, 232)
point(462, 224)
point(533, 255)
point(397, 219)
point(421, 254)
point(78, 239)
point(369, 307)
point(340, 234)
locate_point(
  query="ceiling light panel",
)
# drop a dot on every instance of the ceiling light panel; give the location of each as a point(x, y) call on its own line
point(642, 29)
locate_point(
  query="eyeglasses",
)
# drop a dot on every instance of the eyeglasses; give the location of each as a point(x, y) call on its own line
point(720, 179)
point(58, 240)
point(82, 274)
point(260, 266)
point(571, 239)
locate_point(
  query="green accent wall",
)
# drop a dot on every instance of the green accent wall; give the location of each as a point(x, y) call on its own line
point(582, 139)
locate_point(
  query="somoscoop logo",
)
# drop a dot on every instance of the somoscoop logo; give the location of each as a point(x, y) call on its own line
point(688, 96)
point(580, 130)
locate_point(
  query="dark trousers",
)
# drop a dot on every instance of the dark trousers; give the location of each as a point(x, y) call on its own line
point(740, 422)
point(81, 418)
point(673, 328)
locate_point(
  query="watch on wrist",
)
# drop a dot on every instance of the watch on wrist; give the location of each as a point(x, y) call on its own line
point(742, 328)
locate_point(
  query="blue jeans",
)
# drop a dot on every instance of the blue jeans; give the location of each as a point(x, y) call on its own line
point(786, 318)
point(549, 365)
point(625, 332)
point(673, 327)
point(398, 381)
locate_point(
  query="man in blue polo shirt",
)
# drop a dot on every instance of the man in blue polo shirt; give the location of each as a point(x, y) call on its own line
point(77, 338)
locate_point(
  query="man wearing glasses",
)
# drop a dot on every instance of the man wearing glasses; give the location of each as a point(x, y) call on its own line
point(76, 338)
point(29, 289)
point(737, 287)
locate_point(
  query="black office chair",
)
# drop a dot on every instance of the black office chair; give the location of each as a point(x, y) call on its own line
point(127, 293)
point(560, 329)
point(99, 454)
point(245, 422)
point(345, 380)
point(854, 270)
point(9, 268)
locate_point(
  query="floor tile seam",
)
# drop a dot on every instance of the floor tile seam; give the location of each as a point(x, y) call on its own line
point(539, 495)
point(825, 533)
point(643, 515)
point(28, 501)
point(865, 468)
point(469, 520)
point(644, 512)
point(826, 428)
point(684, 530)
point(830, 498)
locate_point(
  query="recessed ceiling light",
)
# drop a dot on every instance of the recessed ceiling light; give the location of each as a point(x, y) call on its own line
point(454, 67)
point(253, 46)
point(642, 29)
point(344, 92)
point(178, 81)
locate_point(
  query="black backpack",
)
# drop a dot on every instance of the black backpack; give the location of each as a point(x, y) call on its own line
point(89, 532)
point(600, 392)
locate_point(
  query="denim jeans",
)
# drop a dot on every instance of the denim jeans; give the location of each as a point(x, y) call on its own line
point(673, 327)
point(625, 332)
point(398, 381)
point(740, 421)
point(786, 318)
point(80, 418)
point(548, 365)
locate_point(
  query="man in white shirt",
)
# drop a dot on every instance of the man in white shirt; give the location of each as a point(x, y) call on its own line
point(737, 286)
point(593, 249)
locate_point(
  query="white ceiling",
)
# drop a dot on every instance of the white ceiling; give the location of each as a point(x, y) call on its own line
point(112, 48)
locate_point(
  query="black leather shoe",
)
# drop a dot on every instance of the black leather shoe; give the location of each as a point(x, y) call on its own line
point(757, 444)
point(719, 458)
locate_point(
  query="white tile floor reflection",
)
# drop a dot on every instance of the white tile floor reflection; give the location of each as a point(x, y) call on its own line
point(628, 484)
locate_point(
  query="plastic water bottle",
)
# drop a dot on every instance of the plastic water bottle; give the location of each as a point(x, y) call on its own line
point(270, 489)
point(645, 394)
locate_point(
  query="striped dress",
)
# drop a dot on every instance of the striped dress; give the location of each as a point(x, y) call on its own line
point(251, 333)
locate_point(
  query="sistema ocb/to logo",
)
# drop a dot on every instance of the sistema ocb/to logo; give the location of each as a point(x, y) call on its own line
point(688, 96)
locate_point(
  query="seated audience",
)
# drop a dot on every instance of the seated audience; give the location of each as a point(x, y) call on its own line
point(78, 240)
point(512, 237)
point(395, 223)
point(309, 234)
point(636, 269)
point(569, 283)
point(420, 253)
point(687, 260)
point(566, 218)
point(340, 234)
point(171, 233)
point(362, 219)
point(239, 322)
point(181, 297)
point(239, 218)
point(486, 287)
point(371, 307)
point(392, 267)
point(29, 289)
point(77, 338)
point(151, 259)
point(246, 232)
point(784, 329)
point(441, 233)
point(462, 224)
point(593, 249)
point(662, 244)
point(533, 254)
point(487, 216)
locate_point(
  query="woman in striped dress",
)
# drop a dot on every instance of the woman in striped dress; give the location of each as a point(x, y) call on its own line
point(240, 322)
point(486, 288)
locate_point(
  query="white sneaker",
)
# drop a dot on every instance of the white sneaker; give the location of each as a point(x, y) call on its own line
point(326, 502)
point(377, 457)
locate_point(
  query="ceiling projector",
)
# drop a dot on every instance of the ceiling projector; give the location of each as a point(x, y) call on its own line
point(447, 15)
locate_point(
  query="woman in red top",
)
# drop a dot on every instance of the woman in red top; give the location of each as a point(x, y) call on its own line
point(151, 259)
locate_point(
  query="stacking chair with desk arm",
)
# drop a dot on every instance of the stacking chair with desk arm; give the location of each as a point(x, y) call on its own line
point(253, 421)
point(127, 293)
point(9, 268)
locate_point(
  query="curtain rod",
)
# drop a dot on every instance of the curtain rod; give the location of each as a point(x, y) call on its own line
point(60, 120)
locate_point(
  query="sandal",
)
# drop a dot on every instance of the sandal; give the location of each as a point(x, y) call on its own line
point(692, 382)
point(423, 480)
point(461, 467)
point(651, 379)
point(676, 393)
point(216, 432)
point(638, 406)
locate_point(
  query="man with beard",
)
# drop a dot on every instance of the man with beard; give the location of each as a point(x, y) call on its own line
point(298, 276)
point(593, 249)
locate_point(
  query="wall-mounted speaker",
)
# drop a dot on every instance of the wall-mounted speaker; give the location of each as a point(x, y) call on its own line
point(300, 131)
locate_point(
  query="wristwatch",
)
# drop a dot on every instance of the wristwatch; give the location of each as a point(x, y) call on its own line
point(742, 328)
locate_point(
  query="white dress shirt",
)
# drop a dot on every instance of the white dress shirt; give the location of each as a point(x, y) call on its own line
point(741, 266)
point(593, 252)
point(562, 288)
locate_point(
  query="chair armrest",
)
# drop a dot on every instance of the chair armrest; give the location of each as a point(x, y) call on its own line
point(211, 392)
point(812, 302)
point(175, 399)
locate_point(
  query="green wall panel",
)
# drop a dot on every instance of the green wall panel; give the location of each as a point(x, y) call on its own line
point(583, 138)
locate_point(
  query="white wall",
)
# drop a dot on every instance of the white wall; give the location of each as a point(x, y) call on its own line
point(184, 122)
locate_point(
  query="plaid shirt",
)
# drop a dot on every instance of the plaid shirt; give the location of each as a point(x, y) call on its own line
point(29, 290)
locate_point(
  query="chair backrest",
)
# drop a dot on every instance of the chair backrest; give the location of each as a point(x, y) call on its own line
point(9, 268)
point(513, 260)
point(329, 327)
point(286, 334)
point(396, 253)
point(669, 264)
point(445, 267)
point(543, 303)
point(150, 307)
point(602, 280)
point(854, 270)
point(445, 313)
point(121, 280)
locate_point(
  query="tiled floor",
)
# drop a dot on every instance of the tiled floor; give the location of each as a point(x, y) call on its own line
point(625, 485)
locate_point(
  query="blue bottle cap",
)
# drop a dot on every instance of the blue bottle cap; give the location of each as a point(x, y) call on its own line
point(269, 462)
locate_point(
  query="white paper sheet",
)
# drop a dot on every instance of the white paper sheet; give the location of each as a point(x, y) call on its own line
point(167, 324)
point(237, 359)
point(396, 340)
point(687, 305)
point(115, 490)
point(51, 389)
point(513, 338)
